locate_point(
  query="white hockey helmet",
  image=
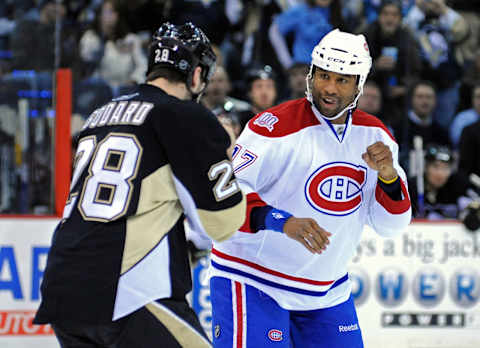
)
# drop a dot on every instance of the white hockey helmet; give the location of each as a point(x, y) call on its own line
point(343, 53)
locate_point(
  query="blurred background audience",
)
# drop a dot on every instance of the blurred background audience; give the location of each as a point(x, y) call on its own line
point(371, 101)
point(306, 24)
point(469, 161)
point(396, 57)
point(447, 192)
point(261, 90)
point(297, 84)
point(110, 53)
point(439, 31)
point(216, 96)
point(419, 121)
point(425, 79)
point(466, 117)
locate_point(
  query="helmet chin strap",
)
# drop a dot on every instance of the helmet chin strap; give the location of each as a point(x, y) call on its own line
point(351, 106)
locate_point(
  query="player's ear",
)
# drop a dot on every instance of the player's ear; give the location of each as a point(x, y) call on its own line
point(197, 82)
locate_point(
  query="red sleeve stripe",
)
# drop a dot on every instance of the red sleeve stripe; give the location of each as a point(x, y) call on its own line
point(253, 200)
point(393, 207)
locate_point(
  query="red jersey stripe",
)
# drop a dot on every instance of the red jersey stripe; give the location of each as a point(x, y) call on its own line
point(238, 294)
point(393, 207)
point(269, 271)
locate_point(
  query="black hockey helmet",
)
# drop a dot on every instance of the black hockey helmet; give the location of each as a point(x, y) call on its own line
point(183, 48)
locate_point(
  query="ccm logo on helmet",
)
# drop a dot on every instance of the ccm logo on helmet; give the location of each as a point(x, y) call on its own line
point(336, 188)
point(336, 60)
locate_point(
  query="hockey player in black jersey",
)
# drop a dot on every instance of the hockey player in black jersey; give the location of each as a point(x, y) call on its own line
point(118, 271)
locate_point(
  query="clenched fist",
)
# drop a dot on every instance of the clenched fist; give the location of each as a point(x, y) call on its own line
point(379, 157)
point(307, 232)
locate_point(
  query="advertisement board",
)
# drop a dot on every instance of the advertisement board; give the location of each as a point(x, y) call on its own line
point(418, 290)
point(24, 245)
point(421, 289)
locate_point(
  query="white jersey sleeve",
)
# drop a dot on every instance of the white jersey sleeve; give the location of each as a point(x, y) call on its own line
point(386, 216)
point(253, 161)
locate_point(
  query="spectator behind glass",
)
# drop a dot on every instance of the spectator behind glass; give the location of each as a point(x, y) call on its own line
point(216, 97)
point(112, 53)
point(396, 58)
point(471, 77)
point(447, 192)
point(438, 29)
point(143, 15)
point(419, 120)
point(297, 74)
point(33, 40)
point(371, 99)
point(210, 15)
point(469, 146)
point(231, 123)
point(261, 91)
point(371, 102)
point(358, 14)
point(466, 117)
point(7, 25)
point(248, 44)
point(308, 23)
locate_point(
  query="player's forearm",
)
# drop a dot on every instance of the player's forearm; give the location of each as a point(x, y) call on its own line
point(392, 187)
point(268, 218)
point(391, 212)
point(261, 216)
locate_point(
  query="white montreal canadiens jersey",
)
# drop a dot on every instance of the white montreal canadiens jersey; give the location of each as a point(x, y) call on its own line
point(289, 157)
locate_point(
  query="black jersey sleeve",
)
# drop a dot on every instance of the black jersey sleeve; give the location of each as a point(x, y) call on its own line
point(196, 148)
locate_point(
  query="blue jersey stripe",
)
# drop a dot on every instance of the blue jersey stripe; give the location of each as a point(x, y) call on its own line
point(279, 286)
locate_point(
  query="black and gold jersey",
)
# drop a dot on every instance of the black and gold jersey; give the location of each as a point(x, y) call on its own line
point(144, 162)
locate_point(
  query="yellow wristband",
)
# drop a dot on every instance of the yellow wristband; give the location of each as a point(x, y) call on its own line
point(388, 181)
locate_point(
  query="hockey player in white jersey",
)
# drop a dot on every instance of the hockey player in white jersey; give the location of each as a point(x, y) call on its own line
point(315, 171)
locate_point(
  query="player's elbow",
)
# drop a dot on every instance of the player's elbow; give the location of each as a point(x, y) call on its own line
point(221, 225)
point(395, 225)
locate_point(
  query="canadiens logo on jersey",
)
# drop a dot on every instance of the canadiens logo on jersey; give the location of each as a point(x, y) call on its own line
point(336, 188)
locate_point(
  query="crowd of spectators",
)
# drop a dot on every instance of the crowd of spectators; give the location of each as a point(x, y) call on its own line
point(425, 79)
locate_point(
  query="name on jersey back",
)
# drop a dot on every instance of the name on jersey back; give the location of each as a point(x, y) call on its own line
point(119, 113)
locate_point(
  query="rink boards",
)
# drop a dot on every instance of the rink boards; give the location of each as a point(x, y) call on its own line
point(419, 290)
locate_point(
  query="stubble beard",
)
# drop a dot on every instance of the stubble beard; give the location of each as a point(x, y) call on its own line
point(328, 112)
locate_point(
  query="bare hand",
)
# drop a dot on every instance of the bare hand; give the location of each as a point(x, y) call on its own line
point(307, 232)
point(379, 157)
